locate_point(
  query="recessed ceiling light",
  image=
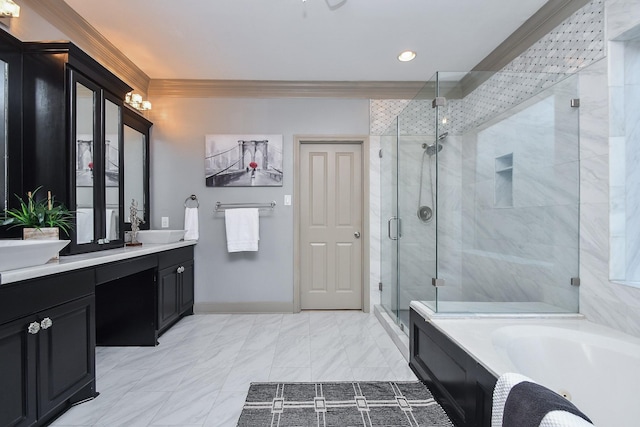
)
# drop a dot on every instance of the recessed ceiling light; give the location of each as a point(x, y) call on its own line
point(407, 55)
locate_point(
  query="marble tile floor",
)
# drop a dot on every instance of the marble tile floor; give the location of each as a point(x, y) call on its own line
point(200, 373)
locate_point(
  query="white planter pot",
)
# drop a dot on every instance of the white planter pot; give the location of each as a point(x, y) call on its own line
point(45, 233)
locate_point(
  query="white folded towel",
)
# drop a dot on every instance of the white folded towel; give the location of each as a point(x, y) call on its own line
point(243, 229)
point(191, 224)
point(558, 415)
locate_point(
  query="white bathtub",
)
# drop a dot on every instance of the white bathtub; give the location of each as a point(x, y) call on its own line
point(597, 367)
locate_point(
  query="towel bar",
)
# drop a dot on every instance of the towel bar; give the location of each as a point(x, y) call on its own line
point(220, 207)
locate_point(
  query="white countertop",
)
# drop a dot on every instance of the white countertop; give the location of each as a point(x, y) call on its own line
point(74, 262)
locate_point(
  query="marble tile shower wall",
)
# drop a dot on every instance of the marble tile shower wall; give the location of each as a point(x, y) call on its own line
point(520, 204)
point(601, 300)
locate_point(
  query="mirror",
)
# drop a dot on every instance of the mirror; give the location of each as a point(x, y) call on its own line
point(136, 165)
point(134, 154)
point(112, 170)
point(4, 104)
point(85, 132)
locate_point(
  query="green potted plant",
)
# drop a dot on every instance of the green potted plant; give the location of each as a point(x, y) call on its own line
point(41, 219)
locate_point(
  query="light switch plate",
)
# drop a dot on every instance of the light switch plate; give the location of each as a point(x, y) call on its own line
point(165, 222)
point(287, 199)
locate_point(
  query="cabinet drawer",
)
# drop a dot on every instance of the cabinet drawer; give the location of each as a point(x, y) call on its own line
point(120, 269)
point(30, 296)
point(175, 256)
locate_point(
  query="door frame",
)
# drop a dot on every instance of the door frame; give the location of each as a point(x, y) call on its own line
point(363, 141)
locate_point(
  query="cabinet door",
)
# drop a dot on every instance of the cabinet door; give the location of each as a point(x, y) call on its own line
point(85, 120)
point(96, 124)
point(168, 301)
point(186, 287)
point(17, 374)
point(66, 352)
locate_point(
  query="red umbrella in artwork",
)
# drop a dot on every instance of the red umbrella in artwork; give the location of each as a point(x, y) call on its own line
point(253, 165)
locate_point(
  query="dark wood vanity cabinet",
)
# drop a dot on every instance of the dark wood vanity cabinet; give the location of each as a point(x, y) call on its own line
point(175, 286)
point(47, 347)
point(73, 139)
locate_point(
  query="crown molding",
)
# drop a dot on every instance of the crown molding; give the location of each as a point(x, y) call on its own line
point(187, 88)
point(85, 36)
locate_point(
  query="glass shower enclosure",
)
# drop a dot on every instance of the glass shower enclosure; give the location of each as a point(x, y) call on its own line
point(480, 196)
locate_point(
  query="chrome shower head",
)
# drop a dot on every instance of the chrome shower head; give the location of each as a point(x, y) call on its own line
point(431, 149)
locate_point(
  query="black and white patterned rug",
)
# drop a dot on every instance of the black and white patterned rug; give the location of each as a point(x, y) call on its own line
point(341, 404)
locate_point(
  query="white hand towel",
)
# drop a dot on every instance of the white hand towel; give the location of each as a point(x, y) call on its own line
point(243, 229)
point(112, 224)
point(191, 224)
point(84, 225)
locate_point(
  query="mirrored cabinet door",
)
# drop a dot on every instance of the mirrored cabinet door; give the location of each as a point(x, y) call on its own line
point(4, 104)
point(136, 166)
point(97, 144)
point(112, 174)
point(10, 126)
point(85, 101)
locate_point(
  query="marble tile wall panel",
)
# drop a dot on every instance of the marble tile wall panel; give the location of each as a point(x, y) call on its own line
point(602, 300)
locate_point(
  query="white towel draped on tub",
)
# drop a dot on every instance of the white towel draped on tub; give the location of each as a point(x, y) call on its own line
point(518, 402)
point(243, 229)
point(191, 224)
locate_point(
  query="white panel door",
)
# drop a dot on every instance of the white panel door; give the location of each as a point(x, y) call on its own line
point(331, 226)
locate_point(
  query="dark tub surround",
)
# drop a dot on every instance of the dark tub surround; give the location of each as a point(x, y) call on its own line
point(461, 385)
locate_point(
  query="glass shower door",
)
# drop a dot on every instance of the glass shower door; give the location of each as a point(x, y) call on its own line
point(388, 220)
point(418, 152)
point(408, 194)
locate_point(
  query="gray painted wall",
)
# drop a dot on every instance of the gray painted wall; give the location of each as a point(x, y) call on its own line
point(260, 281)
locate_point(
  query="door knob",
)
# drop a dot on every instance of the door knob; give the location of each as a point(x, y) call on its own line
point(357, 234)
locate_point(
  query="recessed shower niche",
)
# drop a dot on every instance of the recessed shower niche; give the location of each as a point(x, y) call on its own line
point(504, 181)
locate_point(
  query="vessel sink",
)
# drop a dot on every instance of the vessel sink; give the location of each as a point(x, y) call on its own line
point(28, 253)
point(160, 236)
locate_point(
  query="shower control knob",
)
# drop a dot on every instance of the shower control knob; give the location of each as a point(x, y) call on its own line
point(357, 234)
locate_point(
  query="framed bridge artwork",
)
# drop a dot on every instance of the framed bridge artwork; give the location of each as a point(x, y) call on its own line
point(243, 160)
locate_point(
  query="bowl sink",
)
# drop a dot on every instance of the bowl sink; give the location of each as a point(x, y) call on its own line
point(160, 236)
point(28, 253)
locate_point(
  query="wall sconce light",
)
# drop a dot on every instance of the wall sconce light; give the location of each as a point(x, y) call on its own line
point(135, 100)
point(8, 9)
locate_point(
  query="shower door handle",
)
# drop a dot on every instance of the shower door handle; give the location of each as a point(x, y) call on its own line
point(389, 227)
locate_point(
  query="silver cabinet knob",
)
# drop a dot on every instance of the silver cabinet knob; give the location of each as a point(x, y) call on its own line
point(34, 328)
point(180, 270)
point(357, 234)
point(46, 323)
